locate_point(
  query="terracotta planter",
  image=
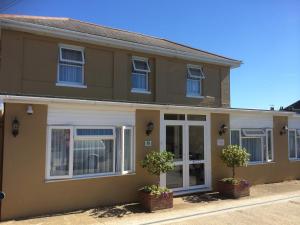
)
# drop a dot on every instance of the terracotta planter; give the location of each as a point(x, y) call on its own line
point(241, 189)
point(153, 202)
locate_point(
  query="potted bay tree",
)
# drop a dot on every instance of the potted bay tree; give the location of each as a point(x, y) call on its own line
point(154, 197)
point(234, 156)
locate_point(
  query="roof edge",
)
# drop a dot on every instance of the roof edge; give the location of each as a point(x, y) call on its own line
point(67, 101)
point(111, 42)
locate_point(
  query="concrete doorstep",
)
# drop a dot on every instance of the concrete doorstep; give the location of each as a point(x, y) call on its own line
point(192, 207)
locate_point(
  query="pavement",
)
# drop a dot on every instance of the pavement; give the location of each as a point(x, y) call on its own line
point(274, 204)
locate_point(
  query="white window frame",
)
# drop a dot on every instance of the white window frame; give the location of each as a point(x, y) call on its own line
point(200, 77)
point(62, 61)
point(143, 73)
point(97, 137)
point(262, 143)
point(74, 136)
point(48, 155)
point(123, 171)
point(296, 158)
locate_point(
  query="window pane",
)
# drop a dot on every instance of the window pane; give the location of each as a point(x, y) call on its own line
point(196, 142)
point(253, 132)
point(235, 137)
point(60, 150)
point(175, 178)
point(70, 54)
point(94, 132)
point(269, 150)
point(141, 65)
point(174, 117)
point(174, 141)
point(127, 150)
point(292, 147)
point(93, 156)
point(193, 87)
point(197, 175)
point(139, 81)
point(253, 147)
point(70, 73)
point(196, 117)
point(195, 72)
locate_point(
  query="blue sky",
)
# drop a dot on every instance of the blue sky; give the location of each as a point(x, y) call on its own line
point(265, 34)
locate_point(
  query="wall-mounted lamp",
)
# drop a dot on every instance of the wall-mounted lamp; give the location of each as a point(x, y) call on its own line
point(283, 130)
point(29, 110)
point(15, 127)
point(149, 129)
point(223, 129)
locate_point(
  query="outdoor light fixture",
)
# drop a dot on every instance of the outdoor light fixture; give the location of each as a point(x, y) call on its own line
point(283, 130)
point(29, 110)
point(15, 127)
point(223, 129)
point(149, 129)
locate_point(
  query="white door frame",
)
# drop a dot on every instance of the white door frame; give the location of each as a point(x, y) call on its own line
point(207, 148)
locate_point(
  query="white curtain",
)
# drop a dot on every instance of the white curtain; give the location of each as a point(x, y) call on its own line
point(292, 147)
point(60, 150)
point(127, 150)
point(139, 81)
point(92, 156)
point(193, 86)
point(253, 147)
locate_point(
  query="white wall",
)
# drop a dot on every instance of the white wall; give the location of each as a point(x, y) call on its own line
point(294, 122)
point(250, 120)
point(87, 115)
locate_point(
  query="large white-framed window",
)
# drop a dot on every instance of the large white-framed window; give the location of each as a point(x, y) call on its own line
point(71, 66)
point(195, 76)
point(294, 144)
point(89, 151)
point(140, 75)
point(257, 142)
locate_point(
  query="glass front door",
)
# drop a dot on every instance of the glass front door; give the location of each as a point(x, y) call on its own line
point(186, 140)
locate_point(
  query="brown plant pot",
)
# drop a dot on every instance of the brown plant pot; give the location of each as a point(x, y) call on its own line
point(241, 189)
point(153, 202)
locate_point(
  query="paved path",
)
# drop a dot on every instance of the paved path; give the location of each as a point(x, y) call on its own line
point(268, 204)
point(276, 213)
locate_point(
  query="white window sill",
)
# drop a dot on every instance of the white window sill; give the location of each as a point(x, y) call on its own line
point(71, 85)
point(294, 160)
point(140, 91)
point(84, 177)
point(260, 163)
point(195, 96)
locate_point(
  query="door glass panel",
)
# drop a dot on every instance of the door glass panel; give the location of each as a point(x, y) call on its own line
point(196, 174)
point(175, 178)
point(174, 141)
point(196, 143)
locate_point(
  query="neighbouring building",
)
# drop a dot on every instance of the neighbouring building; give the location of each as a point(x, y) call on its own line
point(295, 107)
point(79, 97)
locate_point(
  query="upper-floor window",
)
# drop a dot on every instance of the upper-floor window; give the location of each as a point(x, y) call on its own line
point(71, 66)
point(294, 144)
point(257, 142)
point(140, 75)
point(194, 81)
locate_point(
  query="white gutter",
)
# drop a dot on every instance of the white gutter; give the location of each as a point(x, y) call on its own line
point(48, 100)
point(116, 43)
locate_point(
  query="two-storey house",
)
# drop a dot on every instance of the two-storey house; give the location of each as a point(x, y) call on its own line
point(83, 105)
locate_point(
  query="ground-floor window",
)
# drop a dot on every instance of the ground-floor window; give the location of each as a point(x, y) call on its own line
point(294, 144)
point(89, 151)
point(257, 142)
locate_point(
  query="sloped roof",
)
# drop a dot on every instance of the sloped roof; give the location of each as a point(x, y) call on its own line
point(293, 107)
point(102, 31)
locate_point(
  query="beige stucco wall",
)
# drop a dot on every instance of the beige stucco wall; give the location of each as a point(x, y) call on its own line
point(27, 192)
point(29, 66)
point(279, 170)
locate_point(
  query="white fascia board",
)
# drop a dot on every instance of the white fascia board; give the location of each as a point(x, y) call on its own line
point(110, 42)
point(133, 106)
